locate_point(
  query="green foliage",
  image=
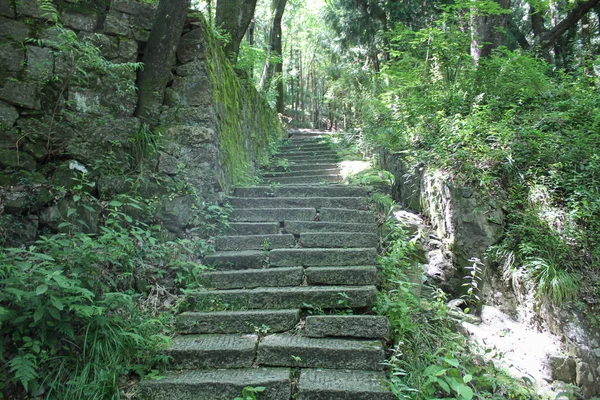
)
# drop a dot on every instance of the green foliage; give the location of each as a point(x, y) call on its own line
point(430, 360)
point(249, 392)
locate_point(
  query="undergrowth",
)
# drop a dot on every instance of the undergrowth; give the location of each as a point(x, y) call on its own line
point(430, 360)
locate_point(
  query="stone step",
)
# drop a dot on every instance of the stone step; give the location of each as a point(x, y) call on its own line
point(219, 384)
point(237, 321)
point(254, 242)
point(349, 203)
point(252, 228)
point(284, 298)
point(339, 239)
point(305, 180)
point(331, 384)
point(346, 276)
point(212, 351)
point(304, 191)
point(313, 166)
point(346, 215)
point(308, 158)
point(322, 257)
point(228, 260)
point(299, 227)
point(272, 214)
point(253, 278)
point(297, 351)
point(357, 326)
point(303, 154)
point(310, 146)
point(302, 172)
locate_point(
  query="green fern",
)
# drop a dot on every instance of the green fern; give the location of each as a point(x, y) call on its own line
point(24, 369)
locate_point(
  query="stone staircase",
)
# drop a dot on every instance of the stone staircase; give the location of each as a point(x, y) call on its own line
point(289, 304)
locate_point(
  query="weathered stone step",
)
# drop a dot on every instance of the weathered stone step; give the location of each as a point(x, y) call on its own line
point(237, 321)
point(289, 350)
point(219, 384)
point(347, 275)
point(299, 227)
point(304, 167)
point(331, 384)
point(253, 278)
point(308, 158)
point(350, 203)
point(301, 155)
point(282, 298)
point(212, 351)
point(346, 215)
point(305, 180)
point(254, 242)
point(252, 228)
point(358, 326)
point(309, 146)
point(322, 257)
point(272, 214)
point(302, 172)
point(304, 191)
point(228, 260)
point(338, 239)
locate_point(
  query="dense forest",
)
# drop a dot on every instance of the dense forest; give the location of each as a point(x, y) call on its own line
point(500, 96)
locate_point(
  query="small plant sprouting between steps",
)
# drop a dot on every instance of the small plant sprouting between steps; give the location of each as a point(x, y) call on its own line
point(249, 392)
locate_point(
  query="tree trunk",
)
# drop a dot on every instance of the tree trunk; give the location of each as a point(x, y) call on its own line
point(549, 38)
point(234, 16)
point(488, 32)
point(159, 56)
point(275, 69)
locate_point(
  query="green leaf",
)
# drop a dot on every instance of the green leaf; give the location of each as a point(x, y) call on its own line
point(76, 198)
point(41, 289)
point(38, 314)
point(467, 378)
point(115, 203)
point(451, 361)
point(57, 303)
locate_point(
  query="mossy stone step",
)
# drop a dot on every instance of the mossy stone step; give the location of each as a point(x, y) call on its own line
point(331, 384)
point(212, 351)
point(305, 179)
point(338, 239)
point(346, 276)
point(322, 257)
point(299, 227)
point(253, 278)
point(304, 191)
point(219, 384)
point(308, 158)
point(254, 242)
point(252, 228)
point(350, 203)
point(237, 321)
point(298, 351)
point(358, 326)
point(304, 146)
point(344, 214)
point(284, 298)
point(272, 214)
point(313, 166)
point(303, 172)
point(228, 260)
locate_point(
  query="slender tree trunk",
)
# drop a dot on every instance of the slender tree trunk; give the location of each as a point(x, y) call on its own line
point(275, 69)
point(159, 56)
point(537, 26)
point(234, 16)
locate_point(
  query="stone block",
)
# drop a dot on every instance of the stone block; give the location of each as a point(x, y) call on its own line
point(237, 321)
point(22, 94)
point(301, 202)
point(85, 218)
point(189, 91)
point(219, 384)
point(305, 180)
point(328, 384)
point(79, 22)
point(34, 9)
point(108, 45)
point(322, 257)
point(191, 46)
point(298, 351)
point(11, 57)
point(40, 62)
point(178, 212)
point(118, 23)
point(212, 351)
point(15, 30)
point(272, 214)
point(141, 11)
point(252, 228)
point(340, 215)
point(128, 50)
point(6, 8)
point(228, 260)
point(8, 115)
point(298, 227)
point(254, 242)
point(563, 368)
point(303, 191)
point(194, 67)
point(338, 239)
point(103, 101)
point(253, 278)
point(202, 116)
point(351, 276)
point(358, 326)
point(12, 158)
